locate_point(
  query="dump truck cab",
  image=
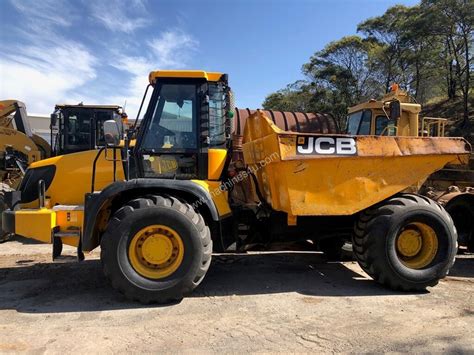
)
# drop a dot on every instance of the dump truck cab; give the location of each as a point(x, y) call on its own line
point(186, 132)
point(157, 197)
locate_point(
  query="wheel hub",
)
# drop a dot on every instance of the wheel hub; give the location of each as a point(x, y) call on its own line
point(156, 251)
point(409, 242)
point(417, 245)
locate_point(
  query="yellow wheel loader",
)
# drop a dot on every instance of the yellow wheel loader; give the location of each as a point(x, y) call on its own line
point(18, 148)
point(453, 186)
point(161, 198)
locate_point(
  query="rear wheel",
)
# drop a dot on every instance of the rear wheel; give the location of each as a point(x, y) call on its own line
point(461, 210)
point(406, 243)
point(156, 249)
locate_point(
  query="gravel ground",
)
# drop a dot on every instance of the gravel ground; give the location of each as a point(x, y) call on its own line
point(275, 302)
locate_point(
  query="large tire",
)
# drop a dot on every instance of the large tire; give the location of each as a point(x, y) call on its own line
point(384, 254)
point(3, 188)
point(143, 213)
point(461, 210)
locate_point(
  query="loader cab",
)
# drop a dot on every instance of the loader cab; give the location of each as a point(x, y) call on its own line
point(77, 128)
point(185, 132)
point(370, 121)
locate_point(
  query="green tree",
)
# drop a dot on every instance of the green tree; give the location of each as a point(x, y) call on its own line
point(453, 22)
point(426, 48)
point(340, 75)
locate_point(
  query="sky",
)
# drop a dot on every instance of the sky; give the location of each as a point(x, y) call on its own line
point(101, 51)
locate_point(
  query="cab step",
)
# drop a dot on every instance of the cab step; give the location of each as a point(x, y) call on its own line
point(58, 243)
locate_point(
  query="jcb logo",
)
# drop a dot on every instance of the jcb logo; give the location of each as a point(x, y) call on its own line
point(326, 145)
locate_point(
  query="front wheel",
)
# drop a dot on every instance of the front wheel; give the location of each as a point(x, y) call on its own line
point(406, 243)
point(156, 249)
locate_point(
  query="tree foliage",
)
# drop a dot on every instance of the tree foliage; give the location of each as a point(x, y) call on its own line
point(426, 48)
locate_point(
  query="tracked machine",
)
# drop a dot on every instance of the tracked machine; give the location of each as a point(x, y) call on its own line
point(160, 198)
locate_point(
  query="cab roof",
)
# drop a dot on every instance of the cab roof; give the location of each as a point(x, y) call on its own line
point(101, 107)
point(209, 76)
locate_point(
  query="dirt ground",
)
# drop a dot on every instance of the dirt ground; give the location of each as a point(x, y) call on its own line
point(278, 302)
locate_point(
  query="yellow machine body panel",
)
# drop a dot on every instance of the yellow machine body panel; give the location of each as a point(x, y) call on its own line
point(316, 175)
point(218, 194)
point(75, 178)
point(43, 146)
point(35, 223)
point(217, 159)
point(19, 142)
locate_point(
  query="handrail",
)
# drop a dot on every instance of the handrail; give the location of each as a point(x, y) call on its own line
point(94, 165)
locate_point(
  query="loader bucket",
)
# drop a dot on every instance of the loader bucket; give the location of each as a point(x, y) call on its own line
point(306, 174)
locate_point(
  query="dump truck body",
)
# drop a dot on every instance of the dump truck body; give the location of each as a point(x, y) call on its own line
point(317, 175)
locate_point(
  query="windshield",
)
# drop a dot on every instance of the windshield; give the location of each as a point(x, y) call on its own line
point(173, 124)
point(359, 122)
point(353, 121)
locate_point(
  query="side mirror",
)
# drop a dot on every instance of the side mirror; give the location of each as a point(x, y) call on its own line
point(395, 110)
point(111, 133)
point(54, 119)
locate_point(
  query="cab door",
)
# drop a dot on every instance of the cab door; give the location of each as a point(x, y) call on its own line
point(169, 143)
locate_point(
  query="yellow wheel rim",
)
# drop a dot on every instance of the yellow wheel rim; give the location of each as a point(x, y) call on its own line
point(417, 245)
point(156, 251)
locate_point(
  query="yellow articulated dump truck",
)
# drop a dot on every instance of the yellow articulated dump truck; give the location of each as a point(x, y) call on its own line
point(160, 199)
point(452, 186)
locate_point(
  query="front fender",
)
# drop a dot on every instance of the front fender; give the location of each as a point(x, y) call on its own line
point(95, 202)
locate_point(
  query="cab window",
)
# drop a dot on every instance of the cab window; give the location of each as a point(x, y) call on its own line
point(353, 121)
point(359, 122)
point(381, 123)
point(170, 144)
point(364, 127)
point(173, 125)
